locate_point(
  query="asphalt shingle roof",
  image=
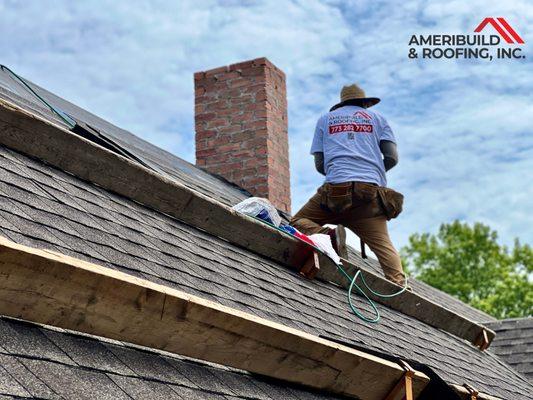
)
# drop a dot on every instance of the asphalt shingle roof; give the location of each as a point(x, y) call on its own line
point(50, 363)
point(43, 207)
point(514, 343)
point(185, 173)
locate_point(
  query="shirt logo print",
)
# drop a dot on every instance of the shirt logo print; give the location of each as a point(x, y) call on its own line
point(359, 122)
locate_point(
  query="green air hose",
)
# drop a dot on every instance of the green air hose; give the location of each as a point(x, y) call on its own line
point(363, 293)
point(69, 121)
point(353, 284)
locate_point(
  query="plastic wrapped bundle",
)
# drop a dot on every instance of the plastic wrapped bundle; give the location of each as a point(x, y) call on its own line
point(260, 208)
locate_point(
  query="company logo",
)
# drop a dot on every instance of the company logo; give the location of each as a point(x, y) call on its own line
point(479, 45)
point(358, 122)
point(505, 30)
point(363, 114)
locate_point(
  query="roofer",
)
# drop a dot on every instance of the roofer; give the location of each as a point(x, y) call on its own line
point(354, 147)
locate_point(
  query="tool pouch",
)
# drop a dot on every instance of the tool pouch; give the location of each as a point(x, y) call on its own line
point(364, 192)
point(391, 202)
point(336, 198)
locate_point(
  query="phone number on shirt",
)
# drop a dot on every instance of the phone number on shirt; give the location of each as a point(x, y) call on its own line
point(364, 128)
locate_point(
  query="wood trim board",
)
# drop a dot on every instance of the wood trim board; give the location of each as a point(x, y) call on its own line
point(54, 289)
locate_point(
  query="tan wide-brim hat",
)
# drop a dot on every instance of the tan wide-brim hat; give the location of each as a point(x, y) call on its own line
point(354, 94)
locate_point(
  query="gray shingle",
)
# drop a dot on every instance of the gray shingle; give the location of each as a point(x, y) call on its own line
point(88, 353)
point(19, 338)
point(274, 391)
point(9, 385)
point(140, 389)
point(240, 385)
point(196, 394)
point(514, 343)
point(148, 367)
point(157, 375)
point(32, 384)
point(200, 376)
point(75, 383)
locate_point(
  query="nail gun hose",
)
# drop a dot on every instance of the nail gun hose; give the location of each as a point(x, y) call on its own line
point(353, 284)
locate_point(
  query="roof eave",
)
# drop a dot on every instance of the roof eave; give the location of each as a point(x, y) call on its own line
point(467, 394)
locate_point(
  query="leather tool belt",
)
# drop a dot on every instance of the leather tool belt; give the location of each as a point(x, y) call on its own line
point(340, 197)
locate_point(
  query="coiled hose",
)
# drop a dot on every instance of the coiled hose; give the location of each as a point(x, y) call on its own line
point(353, 284)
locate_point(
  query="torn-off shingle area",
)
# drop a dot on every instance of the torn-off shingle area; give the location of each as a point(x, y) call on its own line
point(50, 363)
point(514, 343)
point(43, 207)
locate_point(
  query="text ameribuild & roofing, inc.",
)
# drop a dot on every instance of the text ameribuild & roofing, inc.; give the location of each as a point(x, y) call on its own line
point(460, 47)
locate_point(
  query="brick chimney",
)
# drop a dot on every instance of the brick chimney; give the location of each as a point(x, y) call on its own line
point(241, 128)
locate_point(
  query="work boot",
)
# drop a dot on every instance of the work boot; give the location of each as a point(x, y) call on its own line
point(338, 240)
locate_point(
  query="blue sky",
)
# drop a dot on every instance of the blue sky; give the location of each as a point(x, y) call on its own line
point(463, 127)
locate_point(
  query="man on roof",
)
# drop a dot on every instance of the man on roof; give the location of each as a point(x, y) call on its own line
point(354, 147)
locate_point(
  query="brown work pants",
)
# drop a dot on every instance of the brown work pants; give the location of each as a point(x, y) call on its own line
point(365, 219)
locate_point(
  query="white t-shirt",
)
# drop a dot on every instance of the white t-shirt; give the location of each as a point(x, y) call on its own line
point(349, 138)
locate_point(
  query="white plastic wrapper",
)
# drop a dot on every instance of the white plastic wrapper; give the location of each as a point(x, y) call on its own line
point(258, 207)
point(323, 242)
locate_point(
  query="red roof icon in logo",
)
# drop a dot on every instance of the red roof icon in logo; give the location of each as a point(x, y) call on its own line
point(505, 30)
point(363, 114)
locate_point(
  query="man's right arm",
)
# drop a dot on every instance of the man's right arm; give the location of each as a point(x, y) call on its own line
point(390, 153)
point(387, 143)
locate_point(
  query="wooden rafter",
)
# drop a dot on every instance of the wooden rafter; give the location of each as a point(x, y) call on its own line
point(403, 390)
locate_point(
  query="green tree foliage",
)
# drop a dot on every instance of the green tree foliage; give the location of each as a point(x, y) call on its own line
point(469, 263)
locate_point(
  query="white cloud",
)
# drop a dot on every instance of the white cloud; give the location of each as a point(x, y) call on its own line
point(463, 126)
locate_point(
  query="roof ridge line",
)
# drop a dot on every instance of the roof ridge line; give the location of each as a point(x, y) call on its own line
point(30, 134)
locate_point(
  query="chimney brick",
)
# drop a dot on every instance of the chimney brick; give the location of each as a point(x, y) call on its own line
point(241, 128)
